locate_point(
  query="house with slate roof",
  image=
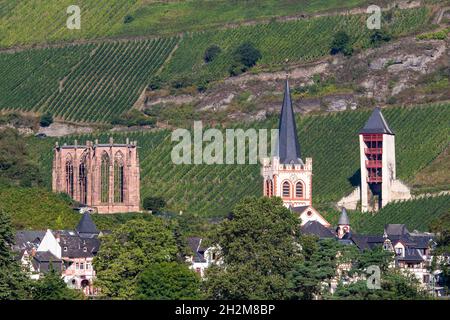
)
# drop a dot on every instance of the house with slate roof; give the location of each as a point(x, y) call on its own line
point(202, 257)
point(412, 250)
point(69, 252)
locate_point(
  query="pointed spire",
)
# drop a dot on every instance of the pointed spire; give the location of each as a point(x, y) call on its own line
point(288, 145)
point(86, 226)
point(376, 123)
point(343, 219)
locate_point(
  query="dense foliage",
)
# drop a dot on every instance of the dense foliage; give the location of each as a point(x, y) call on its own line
point(17, 164)
point(168, 281)
point(258, 245)
point(128, 251)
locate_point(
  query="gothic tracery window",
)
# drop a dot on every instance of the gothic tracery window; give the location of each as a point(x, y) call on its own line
point(299, 190)
point(104, 179)
point(83, 180)
point(118, 178)
point(69, 176)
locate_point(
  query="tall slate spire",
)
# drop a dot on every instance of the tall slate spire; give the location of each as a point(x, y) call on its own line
point(288, 145)
point(343, 219)
point(376, 124)
point(86, 227)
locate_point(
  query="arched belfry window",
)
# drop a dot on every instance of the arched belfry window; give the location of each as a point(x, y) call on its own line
point(82, 179)
point(104, 179)
point(299, 190)
point(69, 175)
point(118, 178)
point(286, 189)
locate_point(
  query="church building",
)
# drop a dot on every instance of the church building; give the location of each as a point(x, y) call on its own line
point(286, 175)
point(103, 176)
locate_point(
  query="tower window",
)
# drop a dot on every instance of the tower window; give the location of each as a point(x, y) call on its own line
point(286, 189)
point(299, 190)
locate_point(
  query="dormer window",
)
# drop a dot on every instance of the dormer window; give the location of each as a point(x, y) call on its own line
point(65, 249)
point(399, 251)
point(84, 249)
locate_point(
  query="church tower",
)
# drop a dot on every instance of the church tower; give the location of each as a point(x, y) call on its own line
point(378, 172)
point(285, 174)
point(343, 224)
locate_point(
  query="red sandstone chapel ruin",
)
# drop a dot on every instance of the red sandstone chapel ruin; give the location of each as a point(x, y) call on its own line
point(102, 176)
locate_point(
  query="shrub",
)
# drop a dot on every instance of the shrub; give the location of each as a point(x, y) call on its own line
point(128, 19)
point(211, 53)
point(341, 44)
point(247, 54)
point(134, 118)
point(181, 82)
point(236, 69)
point(378, 37)
point(46, 119)
point(154, 204)
point(155, 83)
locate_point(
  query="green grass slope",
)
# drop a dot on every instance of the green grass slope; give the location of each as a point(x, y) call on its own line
point(331, 140)
point(36, 21)
point(36, 208)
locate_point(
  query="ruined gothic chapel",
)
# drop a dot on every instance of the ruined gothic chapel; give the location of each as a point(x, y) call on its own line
point(102, 176)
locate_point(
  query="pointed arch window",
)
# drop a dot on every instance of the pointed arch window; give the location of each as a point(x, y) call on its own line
point(83, 179)
point(299, 190)
point(118, 178)
point(104, 179)
point(69, 175)
point(286, 189)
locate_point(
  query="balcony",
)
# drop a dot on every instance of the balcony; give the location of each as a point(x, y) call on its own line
point(374, 163)
point(374, 179)
point(373, 150)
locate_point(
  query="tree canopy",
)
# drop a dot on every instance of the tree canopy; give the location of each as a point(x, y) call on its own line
point(128, 251)
point(259, 245)
point(168, 281)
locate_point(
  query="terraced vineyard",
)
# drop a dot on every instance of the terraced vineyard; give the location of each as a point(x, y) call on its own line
point(331, 140)
point(34, 21)
point(416, 214)
point(298, 41)
point(97, 82)
point(93, 82)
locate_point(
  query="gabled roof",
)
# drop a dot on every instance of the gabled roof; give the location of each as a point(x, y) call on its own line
point(343, 219)
point(299, 209)
point(376, 124)
point(86, 226)
point(395, 230)
point(317, 229)
point(288, 145)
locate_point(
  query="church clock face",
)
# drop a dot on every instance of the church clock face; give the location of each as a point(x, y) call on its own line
point(293, 177)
